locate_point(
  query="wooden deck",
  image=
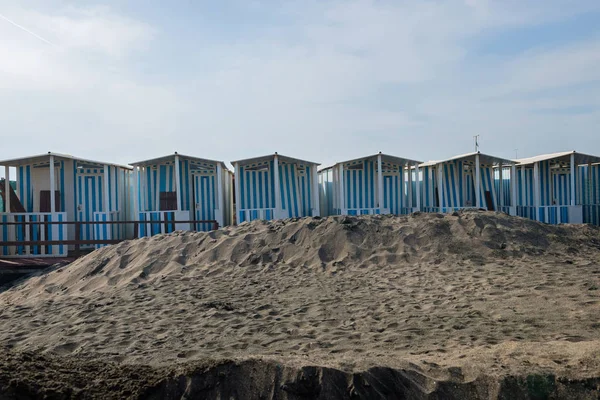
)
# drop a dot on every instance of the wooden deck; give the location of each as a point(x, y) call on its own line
point(33, 262)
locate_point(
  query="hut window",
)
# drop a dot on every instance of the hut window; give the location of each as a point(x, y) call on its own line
point(258, 168)
point(168, 201)
point(45, 201)
point(356, 166)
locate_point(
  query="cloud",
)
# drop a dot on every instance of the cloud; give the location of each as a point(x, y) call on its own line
point(320, 80)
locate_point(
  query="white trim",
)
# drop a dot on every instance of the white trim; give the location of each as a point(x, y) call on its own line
point(379, 182)
point(52, 187)
point(177, 183)
point(238, 203)
point(418, 183)
point(136, 193)
point(341, 182)
point(523, 186)
point(573, 172)
point(220, 204)
point(536, 188)
point(410, 190)
point(501, 188)
point(277, 189)
point(513, 180)
point(7, 189)
point(477, 182)
point(106, 190)
point(439, 173)
point(316, 200)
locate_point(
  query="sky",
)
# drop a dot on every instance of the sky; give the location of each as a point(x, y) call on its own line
point(320, 80)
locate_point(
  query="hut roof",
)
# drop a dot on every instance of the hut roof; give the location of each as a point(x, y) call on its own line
point(271, 156)
point(483, 158)
point(41, 158)
point(562, 157)
point(171, 157)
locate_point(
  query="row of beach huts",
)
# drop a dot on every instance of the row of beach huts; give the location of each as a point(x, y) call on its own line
point(52, 191)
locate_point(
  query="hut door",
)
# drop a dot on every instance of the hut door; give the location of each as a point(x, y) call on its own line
point(204, 199)
point(489, 201)
point(90, 188)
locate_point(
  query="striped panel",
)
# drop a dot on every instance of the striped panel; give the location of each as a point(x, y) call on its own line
point(290, 194)
point(205, 198)
point(360, 185)
point(89, 200)
point(31, 232)
point(487, 185)
point(24, 187)
point(327, 192)
point(453, 181)
point(428, 187)
point(256, 187)
point(392, 195)
point(525, 187)
point(306, 190)
point(506, 186)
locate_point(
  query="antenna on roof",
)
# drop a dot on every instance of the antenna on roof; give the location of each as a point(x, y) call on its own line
point(476, 139)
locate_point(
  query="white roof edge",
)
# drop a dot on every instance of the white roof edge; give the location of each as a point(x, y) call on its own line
point(550, 156)
point(461, 156)
point(248, 160)
point(65, 156)
point(403, 159)
point(168, 156)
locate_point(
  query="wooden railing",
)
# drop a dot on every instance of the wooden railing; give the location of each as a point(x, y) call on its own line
point(78, 242)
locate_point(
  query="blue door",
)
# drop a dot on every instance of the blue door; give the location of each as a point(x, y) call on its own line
point(89, 200)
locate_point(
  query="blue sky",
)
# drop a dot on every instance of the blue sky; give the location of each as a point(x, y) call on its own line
point(319, 80)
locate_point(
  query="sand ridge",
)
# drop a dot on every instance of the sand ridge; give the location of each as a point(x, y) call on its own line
point(344, 291)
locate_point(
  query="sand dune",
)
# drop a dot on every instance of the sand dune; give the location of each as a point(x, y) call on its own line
point(478, 291)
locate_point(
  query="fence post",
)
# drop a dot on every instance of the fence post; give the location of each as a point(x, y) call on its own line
point(216, 225)
point(77, 238)
point(136, 229)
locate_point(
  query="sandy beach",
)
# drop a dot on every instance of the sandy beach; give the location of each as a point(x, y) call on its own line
point(470, 297)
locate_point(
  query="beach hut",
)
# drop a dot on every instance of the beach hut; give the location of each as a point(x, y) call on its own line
point(375, 184)
point(473, 180)
point(275, 187)
point(559, 188)
point(61, 188)
point(177, 187)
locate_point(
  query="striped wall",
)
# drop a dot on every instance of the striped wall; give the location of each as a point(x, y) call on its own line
point(257, 190)
point(257, 186)
point(327, 192)
point(428, 187)
point(198, 187)
point(205, 189)
point(360, 185)
point(32, 232)
point(504, 195)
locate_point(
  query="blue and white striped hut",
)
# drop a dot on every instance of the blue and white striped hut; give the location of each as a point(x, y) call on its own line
point(84, 190)
point(559, 188)
point(376, 184)
point(275, 187)
point(449, 185)
point(177, 187)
